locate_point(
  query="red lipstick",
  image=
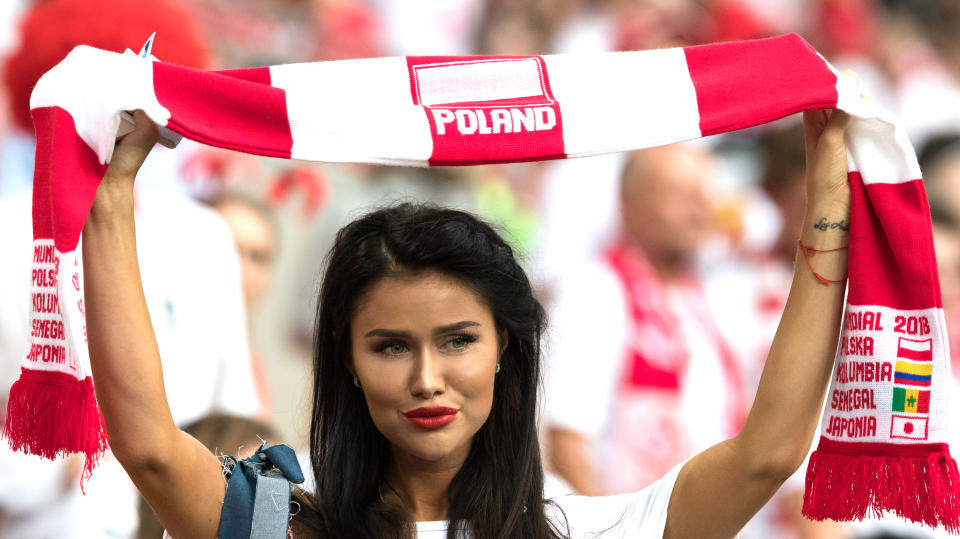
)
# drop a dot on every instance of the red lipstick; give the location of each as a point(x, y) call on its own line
point(431, 417)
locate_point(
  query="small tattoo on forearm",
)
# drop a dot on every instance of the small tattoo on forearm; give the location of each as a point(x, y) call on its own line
point(824, 225)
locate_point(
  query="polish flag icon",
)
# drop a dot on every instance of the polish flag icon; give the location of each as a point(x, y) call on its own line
point(911, 428)
point(914, 350)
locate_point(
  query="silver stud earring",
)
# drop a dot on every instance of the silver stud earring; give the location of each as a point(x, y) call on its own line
point(356, 383)
point(498, 368)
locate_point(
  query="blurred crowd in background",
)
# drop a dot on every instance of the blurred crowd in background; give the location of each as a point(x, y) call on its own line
point(664, 271)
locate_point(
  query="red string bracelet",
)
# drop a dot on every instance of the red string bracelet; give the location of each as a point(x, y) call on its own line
point(809, 252)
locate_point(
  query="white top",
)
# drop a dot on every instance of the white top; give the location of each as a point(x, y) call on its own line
point(638, 515)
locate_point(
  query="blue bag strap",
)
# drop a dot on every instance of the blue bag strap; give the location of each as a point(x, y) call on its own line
point(257, 501)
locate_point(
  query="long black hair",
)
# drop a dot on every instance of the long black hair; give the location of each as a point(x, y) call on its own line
point(498, 492)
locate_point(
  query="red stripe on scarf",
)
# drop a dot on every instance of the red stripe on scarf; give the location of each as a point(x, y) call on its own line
point(65, 178)
point(892, 262)
point(250, 116)
point(746, 83)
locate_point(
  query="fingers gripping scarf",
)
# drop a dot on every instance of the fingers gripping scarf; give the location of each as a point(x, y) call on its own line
point(883, 439)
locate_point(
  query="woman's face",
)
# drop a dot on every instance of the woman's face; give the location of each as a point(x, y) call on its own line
point(425, 352)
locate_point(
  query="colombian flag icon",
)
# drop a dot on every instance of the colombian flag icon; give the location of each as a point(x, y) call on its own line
point(914, 365)
point(913, 374)
point(912, 401)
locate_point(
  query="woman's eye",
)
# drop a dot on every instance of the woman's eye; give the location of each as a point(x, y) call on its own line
point(392, 348)
point(459, 342)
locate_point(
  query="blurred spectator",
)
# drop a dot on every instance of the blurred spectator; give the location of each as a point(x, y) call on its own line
point(190, 271)
point(223, 435)
point(641, 378)
point(845, 27)
point(733, 20)
point(49, 30)
point(925, 93)
point(946, 243)
point(940, 162)
point(943, 26)
point(509, 29)
point(347, 29)
point(614, 25)
point(253, 227)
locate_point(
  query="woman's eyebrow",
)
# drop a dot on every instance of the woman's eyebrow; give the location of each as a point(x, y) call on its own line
point(455, 327)
point(398, 333)
point(395, 333)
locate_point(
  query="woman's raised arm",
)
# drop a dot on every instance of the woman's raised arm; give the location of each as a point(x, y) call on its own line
point(179, 477)
point(720, 489)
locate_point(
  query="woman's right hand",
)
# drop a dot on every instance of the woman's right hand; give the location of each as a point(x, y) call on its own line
point(125, 358)
point(115, 192)
point(132, 149)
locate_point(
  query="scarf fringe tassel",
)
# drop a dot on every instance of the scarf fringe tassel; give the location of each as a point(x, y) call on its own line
point(921, 488)
point(78, 424)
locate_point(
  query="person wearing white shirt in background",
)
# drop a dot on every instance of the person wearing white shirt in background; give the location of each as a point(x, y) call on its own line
point(253, 227)
point(639, 376)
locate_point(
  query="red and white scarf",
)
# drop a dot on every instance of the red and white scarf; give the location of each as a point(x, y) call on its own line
point(887, 454)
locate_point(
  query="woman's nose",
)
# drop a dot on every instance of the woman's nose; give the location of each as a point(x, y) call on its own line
point(427, 378)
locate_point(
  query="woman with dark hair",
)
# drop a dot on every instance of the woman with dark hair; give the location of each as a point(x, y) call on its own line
point(426, 369)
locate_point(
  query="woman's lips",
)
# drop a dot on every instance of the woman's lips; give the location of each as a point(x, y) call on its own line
point(431, 417)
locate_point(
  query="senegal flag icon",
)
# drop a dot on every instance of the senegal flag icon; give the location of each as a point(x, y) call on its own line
point(911, 401)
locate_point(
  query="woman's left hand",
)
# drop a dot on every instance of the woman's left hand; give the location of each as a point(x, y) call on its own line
point(746, 470)
point(826, 157)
